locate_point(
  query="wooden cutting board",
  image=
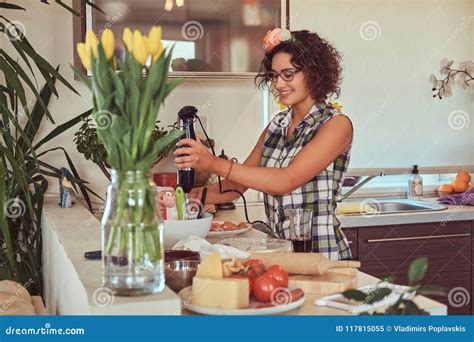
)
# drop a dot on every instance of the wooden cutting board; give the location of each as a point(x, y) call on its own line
point(334, 281)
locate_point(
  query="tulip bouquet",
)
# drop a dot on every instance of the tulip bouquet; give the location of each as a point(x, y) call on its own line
point(125, 111)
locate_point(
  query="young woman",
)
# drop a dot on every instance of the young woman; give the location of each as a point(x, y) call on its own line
point(302, 155)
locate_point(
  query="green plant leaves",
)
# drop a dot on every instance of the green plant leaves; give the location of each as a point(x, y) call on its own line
point(130, 100)
point(22, 172)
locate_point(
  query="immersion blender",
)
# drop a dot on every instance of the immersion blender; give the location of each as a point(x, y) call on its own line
point(187, 116)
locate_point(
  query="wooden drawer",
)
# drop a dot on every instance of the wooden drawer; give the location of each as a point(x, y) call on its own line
point(352, 239)
point(387, 250)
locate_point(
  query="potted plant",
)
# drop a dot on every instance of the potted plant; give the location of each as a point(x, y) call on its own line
point(88, 144)
point(23, 169)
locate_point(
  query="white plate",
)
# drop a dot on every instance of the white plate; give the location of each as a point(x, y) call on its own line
point(228, 232)
point(261, 245)
point(186, 294)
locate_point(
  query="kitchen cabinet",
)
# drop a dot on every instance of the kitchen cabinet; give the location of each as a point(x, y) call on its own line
point(389, 250)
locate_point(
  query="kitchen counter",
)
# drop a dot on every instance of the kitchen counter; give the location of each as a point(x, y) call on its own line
point(73, 284)
point(452, 213)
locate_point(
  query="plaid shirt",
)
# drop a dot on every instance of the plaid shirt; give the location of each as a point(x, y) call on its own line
point(318, 194)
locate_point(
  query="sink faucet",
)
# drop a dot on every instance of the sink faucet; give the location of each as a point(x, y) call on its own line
point(356, 187)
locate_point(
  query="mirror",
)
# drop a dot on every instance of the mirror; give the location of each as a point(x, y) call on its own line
point(210, 37)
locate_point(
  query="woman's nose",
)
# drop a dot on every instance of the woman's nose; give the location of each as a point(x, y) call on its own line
point(279, 84)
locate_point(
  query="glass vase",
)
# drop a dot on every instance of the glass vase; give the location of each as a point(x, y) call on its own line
point(132, 236)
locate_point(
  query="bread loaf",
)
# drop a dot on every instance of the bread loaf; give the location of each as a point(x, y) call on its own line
point(14, 288)
point(11, 304)
point(303, 263)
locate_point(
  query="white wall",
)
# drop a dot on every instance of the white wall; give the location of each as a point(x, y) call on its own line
point(233, 109)
point(385, 89)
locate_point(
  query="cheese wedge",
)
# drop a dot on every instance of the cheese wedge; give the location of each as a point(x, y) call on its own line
point(210, 267)
point(226, 293)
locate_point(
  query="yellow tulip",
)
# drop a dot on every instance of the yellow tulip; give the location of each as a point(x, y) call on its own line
point(158, 53)
point(128, 39)
point(154, 40)
point(139, 48)
point(91, 43)
point(84, 55)
point(108, 43)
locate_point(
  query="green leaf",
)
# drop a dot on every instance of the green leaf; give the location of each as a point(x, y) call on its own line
point(417, 270)
point(4, 227)
point(62, 128)
point(11, 6)
point(84, 78)
point(19, 70)
point(37, 115)
point(13, 81)
point(377, 295)
point(68, 8)
point(46, 69)
point(354, 294)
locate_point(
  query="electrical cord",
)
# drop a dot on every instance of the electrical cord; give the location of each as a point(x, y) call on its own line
point(267, 229)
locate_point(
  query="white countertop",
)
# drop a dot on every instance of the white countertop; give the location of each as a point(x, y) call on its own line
point(72, 283)
point(452, 213)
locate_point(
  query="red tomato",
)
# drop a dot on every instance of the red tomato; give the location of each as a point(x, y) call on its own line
point(254, 267)
point(263, 287)
point(279, 274)
point(238, 276)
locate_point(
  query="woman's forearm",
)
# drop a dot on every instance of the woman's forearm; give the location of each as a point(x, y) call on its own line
point(214, 196)
point(274, 181)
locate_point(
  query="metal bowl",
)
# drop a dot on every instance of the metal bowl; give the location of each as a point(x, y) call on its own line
point(180, 254)
point(179, 273)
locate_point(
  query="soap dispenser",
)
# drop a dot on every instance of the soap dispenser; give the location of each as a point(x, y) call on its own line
point(415, 184)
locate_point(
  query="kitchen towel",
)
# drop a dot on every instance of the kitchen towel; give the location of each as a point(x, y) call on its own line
point(466, 198)
point(196, 244)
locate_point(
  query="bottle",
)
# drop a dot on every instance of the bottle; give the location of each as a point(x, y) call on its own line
point(415, 184)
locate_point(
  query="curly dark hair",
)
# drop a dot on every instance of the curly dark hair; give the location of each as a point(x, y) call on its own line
point(315, 56)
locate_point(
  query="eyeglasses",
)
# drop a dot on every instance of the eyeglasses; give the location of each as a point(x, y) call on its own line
point(286, 75)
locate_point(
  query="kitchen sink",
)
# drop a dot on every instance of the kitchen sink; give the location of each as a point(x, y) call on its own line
point(391, 206)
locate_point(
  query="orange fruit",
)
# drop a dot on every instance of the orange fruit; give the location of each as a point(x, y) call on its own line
point(445, 189)
point(463, 176)
point(460, 186)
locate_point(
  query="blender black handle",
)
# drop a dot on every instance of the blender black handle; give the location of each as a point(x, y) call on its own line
point(187, 116)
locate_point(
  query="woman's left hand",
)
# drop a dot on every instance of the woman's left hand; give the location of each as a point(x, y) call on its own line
point(199, 157)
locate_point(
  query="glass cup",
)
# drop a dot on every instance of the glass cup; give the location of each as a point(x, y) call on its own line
point(301, 224)
point(295, 225)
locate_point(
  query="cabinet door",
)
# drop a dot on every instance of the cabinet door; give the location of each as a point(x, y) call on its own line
point(351, 235)
point(389, 250)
